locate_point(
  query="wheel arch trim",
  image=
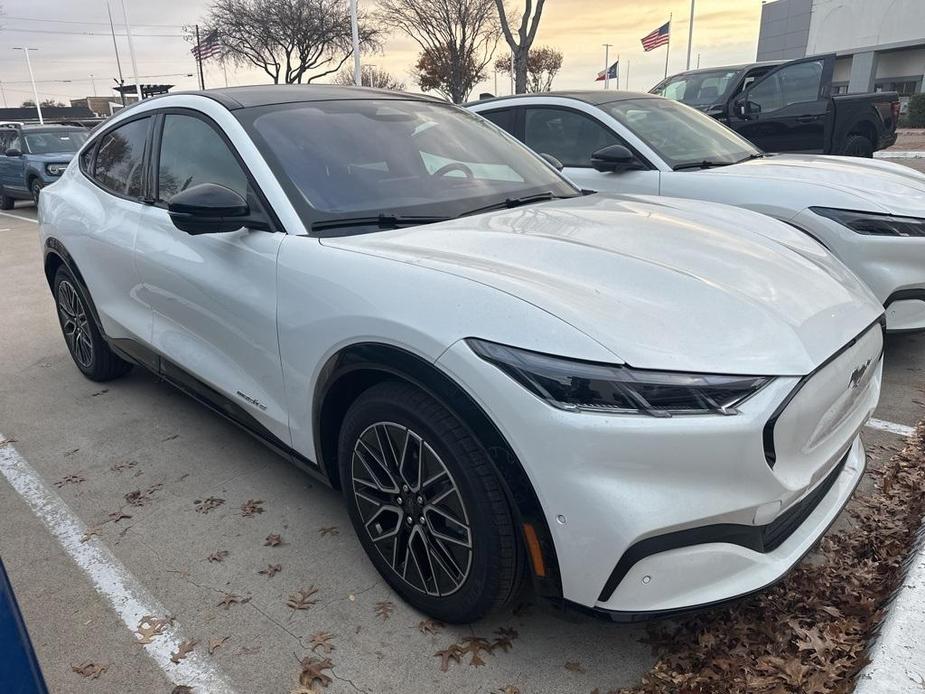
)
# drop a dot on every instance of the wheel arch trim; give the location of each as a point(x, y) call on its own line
point(380, 361)
point(56, 254)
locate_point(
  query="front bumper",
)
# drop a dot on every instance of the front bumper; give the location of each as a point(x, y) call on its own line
point(892, 267)
point(607, 483)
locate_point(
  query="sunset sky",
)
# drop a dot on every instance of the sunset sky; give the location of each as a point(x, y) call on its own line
point(725, 31)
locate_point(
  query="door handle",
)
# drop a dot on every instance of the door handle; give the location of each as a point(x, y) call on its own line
point(807, 119)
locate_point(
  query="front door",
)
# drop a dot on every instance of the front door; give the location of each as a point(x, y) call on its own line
point(12, 169)
point(786, 110)
point(213, 296)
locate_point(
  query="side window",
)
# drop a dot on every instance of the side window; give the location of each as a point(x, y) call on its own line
point(192, 152)
point(119, 161)
point(569, 136)
point(86, 158)
point(15, 142)
point(503, 118)
point(794, 84)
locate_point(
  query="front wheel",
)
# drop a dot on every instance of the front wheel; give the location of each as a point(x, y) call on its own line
point(36, 188)
point(84, 341)
point(427, 505)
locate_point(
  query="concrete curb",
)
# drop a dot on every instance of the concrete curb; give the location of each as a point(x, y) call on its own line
point(909, 154)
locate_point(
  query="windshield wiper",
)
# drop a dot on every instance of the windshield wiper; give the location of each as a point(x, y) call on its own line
point(508, 203)
point(381, 221)
point(705, 164)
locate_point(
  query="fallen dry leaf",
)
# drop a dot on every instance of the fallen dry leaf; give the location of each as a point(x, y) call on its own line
point(474, 647)
point(251, 508)
point(321, 640)
point(510, 689)
point(116, 516)
point(89, 670)
point(273, 540)
point(69, 479)
point(384, 609)
point(209, 504)
point(271, 570)
point(430, 626)
point(149, 627)
point(182, 689)
point(215, 644)
point(329, 530)
point(302, 599)
point(183, 650)
point(90, 532)
point(218, 556)
point(573, 666)
point(312, 674)
point(230, 599)
point(119, 467)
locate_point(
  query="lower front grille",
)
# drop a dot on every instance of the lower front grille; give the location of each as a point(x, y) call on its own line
point(759, 538)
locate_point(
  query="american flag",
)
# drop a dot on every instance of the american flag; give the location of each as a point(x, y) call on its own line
point(209, 47)
point(657, 38)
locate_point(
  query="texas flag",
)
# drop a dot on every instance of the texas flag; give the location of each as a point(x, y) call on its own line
point(610, 74)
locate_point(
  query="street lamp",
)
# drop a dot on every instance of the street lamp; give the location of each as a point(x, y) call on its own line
point(35, 92)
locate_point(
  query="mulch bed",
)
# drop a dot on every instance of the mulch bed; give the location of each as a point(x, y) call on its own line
point(810, 633)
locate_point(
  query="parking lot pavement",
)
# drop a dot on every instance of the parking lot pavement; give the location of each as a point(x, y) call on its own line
point(130, 459)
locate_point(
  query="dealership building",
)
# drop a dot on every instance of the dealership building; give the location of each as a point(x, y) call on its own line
point(880, 46)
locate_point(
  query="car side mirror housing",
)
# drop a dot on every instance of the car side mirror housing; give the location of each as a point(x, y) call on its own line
point(12, 152)
point(209, 208)
point(614, 158)
point(746, 109)
point(552, 161)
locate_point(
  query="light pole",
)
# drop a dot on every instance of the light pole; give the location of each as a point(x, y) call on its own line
point(355, 31)
point(131, 50)
point(690, 36)
point(2, 94)
point(35, 92)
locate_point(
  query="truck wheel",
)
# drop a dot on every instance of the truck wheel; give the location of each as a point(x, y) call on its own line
point(6, 202)
point(859, 146)
point(36, 188)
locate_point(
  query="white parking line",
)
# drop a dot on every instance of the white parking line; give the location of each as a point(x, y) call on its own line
point(16, 216)
point(129, 598)
point(892, 427)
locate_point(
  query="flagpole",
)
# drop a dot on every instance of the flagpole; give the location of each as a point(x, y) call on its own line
point(202, 79)
point(131, 50)
point(607, 65)
point(627, 75)
point(115, 47)
point(690, 36)
point(668, 45)
point(355, 38)
point(618, 72)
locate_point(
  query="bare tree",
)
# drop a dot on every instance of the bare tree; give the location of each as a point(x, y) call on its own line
point(292, 41)
point(370, 76)
point(457, 40)
point(520, 46)
point(543, 64)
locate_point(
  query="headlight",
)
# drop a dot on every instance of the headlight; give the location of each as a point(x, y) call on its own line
point(592, 387)
point(872, 224)
point(55, 169)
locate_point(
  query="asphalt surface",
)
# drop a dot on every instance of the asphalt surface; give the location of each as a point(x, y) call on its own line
point(136, 433)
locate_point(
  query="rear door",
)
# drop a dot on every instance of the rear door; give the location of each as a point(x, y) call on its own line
point(787, 109)
point(213, 296)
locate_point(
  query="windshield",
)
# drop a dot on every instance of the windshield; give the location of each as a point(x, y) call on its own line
point(698, 88)
point(57, 142)
point(362, 158)
point(680, 134)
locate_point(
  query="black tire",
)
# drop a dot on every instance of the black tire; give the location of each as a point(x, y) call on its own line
point(86, 345)
point(6, 202)
point(859, 146)
point(495, 558)
point(35, 187)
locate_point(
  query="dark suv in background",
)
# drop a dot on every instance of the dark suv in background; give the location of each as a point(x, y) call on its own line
point(33, 156)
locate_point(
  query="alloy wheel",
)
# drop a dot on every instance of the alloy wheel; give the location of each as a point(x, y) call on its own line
point(75, 324)
point(412, 508)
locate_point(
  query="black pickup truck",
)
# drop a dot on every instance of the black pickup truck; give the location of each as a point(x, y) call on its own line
point(788, 106)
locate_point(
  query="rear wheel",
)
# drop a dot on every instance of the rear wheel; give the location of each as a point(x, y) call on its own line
point(427, 505)
point(859, 146)
point(88, 349)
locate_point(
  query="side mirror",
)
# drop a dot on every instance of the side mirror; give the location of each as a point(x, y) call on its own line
point(209, 208)
point(614, 158)
point(12, 152)
point(746, 109)
point(552, 161)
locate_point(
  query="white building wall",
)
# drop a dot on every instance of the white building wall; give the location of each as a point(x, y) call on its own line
point(844, 25)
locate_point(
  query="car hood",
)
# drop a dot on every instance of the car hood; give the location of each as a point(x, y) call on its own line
point(660, 283)
point(880, 186)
